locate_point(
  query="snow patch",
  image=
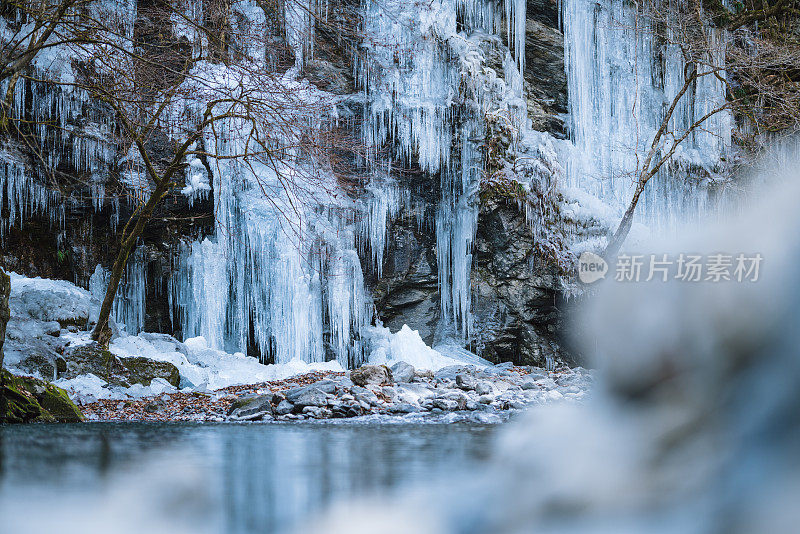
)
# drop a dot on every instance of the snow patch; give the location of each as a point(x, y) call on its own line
point(407, 346)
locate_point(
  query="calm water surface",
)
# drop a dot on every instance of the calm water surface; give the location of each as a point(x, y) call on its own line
point(150, 477)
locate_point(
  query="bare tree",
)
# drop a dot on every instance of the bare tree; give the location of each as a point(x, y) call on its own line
point(176, 102)
point(758, 67)
point(182, 82)
point(30, 27)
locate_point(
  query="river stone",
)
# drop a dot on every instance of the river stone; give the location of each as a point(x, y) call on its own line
point(390, 392)
point(317, 412)
point(284, 407)
point(529, 383)
point(420, 390)
point(310, 396)
point(466, 381)
point(450, 372)
point(423, 374)
point(404, 407)
point(251, 408)
point(364, 395)
point(325, 386)
point(445, 404)
point(484, 387)
point(403, 372)
point(371, 375)
point(459, 397)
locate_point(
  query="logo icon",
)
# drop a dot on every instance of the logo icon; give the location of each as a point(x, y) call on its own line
point(591, 267)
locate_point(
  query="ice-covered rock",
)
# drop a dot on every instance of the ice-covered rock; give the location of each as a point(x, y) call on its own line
point(404, 346)
point(466, 381)
point(484, 387)
point(50, 300)
point(402, 372)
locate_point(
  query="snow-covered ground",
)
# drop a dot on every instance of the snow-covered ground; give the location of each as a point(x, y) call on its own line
point(52, 318)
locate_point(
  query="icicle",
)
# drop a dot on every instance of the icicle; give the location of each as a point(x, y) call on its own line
point(129, 303)
point(382, 204)
point(618, 93)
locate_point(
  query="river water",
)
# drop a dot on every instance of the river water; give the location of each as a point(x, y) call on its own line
point(264, 478)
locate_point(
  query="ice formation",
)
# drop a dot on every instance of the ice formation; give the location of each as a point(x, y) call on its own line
point(67, 124)
point(425, 85)
point(407, 346)
point(621, 81)
point(281, 275)
point(129, 304)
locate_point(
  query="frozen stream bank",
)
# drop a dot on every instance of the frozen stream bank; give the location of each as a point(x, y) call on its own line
point(156, 377)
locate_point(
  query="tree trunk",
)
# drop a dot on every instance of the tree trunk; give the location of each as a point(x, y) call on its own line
point(5, 315)
point(615, 243)
point(101, 332)
point(5, 311)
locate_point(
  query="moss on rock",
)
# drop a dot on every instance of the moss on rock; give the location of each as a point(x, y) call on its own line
point(30, 400)
point(143, 370)
point(115, 370)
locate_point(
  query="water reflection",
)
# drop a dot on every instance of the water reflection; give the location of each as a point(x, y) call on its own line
point(273, 478)
point(206, 478)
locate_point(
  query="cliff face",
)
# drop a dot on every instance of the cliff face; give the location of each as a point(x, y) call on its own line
point(517, 294)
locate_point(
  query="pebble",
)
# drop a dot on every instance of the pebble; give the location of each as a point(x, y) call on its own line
point(452, 394)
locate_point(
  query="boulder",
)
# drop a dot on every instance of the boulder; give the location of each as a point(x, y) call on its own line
point(404, 407)
point(283, 408)
point(403, 372)
point(372, 375)
point(529, 383)
point(50, 300)
point(459, 397)
point(445, 404)
point(363, 395)
point(324, 386)
point(310, 396)
point(144, 370)
point(450, 372)
point(25, 400)
point(251, 408)
point(33, 347)
point(484, 387)
point(115, 370)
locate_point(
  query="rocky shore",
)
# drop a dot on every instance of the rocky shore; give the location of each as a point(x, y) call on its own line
point(155, 377)
point(456, 392)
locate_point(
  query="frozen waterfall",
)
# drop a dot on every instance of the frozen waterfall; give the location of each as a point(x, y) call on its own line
point(621, 80)
point(281, 274)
